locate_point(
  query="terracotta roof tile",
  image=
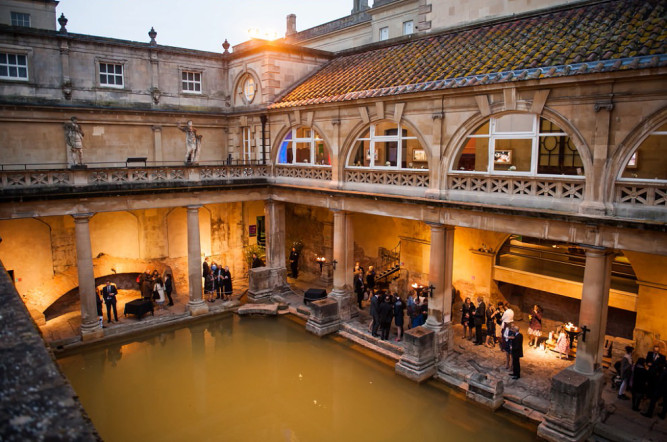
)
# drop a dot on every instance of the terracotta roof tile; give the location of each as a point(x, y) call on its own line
point(599, 37)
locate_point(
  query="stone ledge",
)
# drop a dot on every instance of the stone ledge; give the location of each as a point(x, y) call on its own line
point(258, 309)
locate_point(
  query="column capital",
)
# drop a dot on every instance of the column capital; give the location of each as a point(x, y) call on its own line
point(194, 207)
point(592, 250)
point(82, 217)
point(438, 226)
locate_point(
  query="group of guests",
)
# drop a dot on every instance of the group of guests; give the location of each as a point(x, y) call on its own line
point(386, 308)
point(646, 379)
point(155, 287)
point(217, 281)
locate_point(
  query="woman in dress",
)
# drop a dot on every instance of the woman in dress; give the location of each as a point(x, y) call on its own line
point(226, 277)
point(159, 289)
point(491, 316)
point(563, 343)
point(535, 326)
point(467, 311)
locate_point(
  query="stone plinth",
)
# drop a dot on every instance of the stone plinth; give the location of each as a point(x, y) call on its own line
point(264, 282)
point(258, 309)
point(443, 340)
point(324, 317)
point(197, 308)
point(418, 360)
point(575, 406)
point(485, 390)
point(346, 306)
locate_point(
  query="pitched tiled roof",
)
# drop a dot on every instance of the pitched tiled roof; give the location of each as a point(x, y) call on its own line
point(605, 36)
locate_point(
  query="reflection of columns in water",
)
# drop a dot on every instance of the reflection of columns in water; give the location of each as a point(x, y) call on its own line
point(274, 214)
point(196, 304)
point(593, 310)
point(198, 341)
point(343, 254)
point(90, 325)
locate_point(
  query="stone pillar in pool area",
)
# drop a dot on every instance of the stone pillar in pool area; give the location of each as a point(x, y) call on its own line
point(343, 255)
point(271, 279)
point(196, 305)
point(90, 323)
point(576, 391)
point(418, 360)
point(440, 277)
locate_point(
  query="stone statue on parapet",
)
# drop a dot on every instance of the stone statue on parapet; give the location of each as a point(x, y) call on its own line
point(74, 141)
point(192, 143)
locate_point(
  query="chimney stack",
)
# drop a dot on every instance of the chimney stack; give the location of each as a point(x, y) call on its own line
point(291, 25)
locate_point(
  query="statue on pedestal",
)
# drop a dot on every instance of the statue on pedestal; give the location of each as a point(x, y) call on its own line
point(74, 141)
point(192, 143)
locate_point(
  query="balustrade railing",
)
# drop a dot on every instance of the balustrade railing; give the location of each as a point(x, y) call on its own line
point(641, 194)
point(549, 187)
point(313, 173)
point(409, 178)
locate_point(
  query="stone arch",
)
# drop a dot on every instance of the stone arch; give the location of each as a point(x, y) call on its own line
point(177, 232)
point(106, 236)
point(616, 163)
point(285, 129)
point(456, 141)
point(348, 143)
point(236, 100)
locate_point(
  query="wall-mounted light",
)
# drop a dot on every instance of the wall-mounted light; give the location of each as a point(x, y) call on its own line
point(321, 260)
point(430, 288)
point(334, 262)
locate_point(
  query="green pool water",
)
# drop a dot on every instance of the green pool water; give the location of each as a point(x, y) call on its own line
point(266, 379)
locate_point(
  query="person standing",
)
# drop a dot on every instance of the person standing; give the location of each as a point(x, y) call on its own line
point(294, 262)
point(399, 313)
point(109, 293)
point(217, 280)
point(226, 283)
point(370, 278)
point(159, 288)
point(206, 268)
point(508, 335)
point(98, 302)
point(168, 288)
point(563, 344)
point(467, 320)
point(256, 261)
point(375, 314)
point(517, 352)
point(535, 326)
point(359, 288)
point(386, 314)
point(491, 315)
point(626, 371)
point(480, 319)
point(639, 383)
point(145, 285)
point(654, 358)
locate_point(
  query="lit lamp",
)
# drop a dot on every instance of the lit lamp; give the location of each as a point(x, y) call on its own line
point(321, 260)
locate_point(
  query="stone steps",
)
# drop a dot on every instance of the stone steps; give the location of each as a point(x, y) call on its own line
point(364, 339)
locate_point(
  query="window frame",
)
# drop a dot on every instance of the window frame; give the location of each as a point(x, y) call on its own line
point(412, 27)
point(98, 64)
point(312, 140)
point(246, 145)
point(619, 175)
point(25, 54)
point(373, 138)
point(14, 19)
point(534, 135)
point(200, 82)
point(384, 29)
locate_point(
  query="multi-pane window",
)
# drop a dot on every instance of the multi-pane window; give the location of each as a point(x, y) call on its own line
point(649, 161)
point(408, 27)
point(247, 149)
point(13, 66)
point(304, 146)
point(387, 145)
point(111, 74)
point(384, 33)
point(520, 144)
point(191, 82)
point(20, 19)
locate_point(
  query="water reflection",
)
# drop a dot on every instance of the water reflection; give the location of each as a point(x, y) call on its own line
point(254, 379)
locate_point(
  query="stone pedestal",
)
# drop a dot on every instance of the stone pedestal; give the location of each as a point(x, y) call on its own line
point(575, 406)
point(418, 360)
point(443, 340)
point(326, 275)
point(347, 308)
point(324, 318)
point(485, 390)
point(264, 282)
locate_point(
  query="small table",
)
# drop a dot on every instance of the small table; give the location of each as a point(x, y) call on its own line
point(138, 307)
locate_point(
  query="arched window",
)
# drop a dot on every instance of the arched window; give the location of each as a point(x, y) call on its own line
point(247, 89)
point(304, 146)
point(648, 162)
point(525, 144)
point(387, 145)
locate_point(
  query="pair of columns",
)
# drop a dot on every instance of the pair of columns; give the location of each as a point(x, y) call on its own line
point(90, 326)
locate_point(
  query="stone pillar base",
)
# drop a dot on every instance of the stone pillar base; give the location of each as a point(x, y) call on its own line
point(324, 318)
point(91, 332)
point(197, 308)
point(264, 282)
point(575, 406)
point(418, 360)
point(346, 306)
point(485, 391)
point(443, 339)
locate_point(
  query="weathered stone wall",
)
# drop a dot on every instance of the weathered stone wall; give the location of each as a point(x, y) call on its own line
point(312, 226)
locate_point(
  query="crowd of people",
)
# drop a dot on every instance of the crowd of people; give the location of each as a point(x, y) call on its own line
point(217, 281)
point(646, 379)
point(156, 287)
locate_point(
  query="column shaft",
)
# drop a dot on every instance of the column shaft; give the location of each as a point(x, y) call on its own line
point(339, 250)
point(437, 277)
point(196, 304)
point(275, 222)
point(90, 325)
point(593, 310)
point(343, 254)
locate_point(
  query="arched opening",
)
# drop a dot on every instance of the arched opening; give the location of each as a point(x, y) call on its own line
point(648, 161)
point(303, 146)
point(387, 145)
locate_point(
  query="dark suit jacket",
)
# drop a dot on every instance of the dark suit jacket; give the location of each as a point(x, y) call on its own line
point(517, 346)
point(358, 285)
point(480, 314)
point(374, 306)
point(649, 359)
point(109, 293)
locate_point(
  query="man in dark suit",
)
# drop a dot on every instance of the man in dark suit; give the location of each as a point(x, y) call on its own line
point(109, 293)
point(654, 358)
point(294, 262)
point(480, 319)
point(359, 288)
point(517, 352)
point(375, 314)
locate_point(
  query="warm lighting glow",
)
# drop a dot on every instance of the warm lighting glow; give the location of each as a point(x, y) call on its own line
point(263, 34)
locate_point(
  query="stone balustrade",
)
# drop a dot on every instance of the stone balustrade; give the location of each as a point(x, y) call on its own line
point(641, 193)
point(566, 188)
point(408, 178)
point(313, 172)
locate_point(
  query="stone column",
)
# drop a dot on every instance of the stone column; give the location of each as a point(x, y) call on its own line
point(90, 324)
point(274, 214)
point(593, 309)
point(157, 143)
point(343, 255)
point(576, 391)
point(196, 304)
point(440, 277)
